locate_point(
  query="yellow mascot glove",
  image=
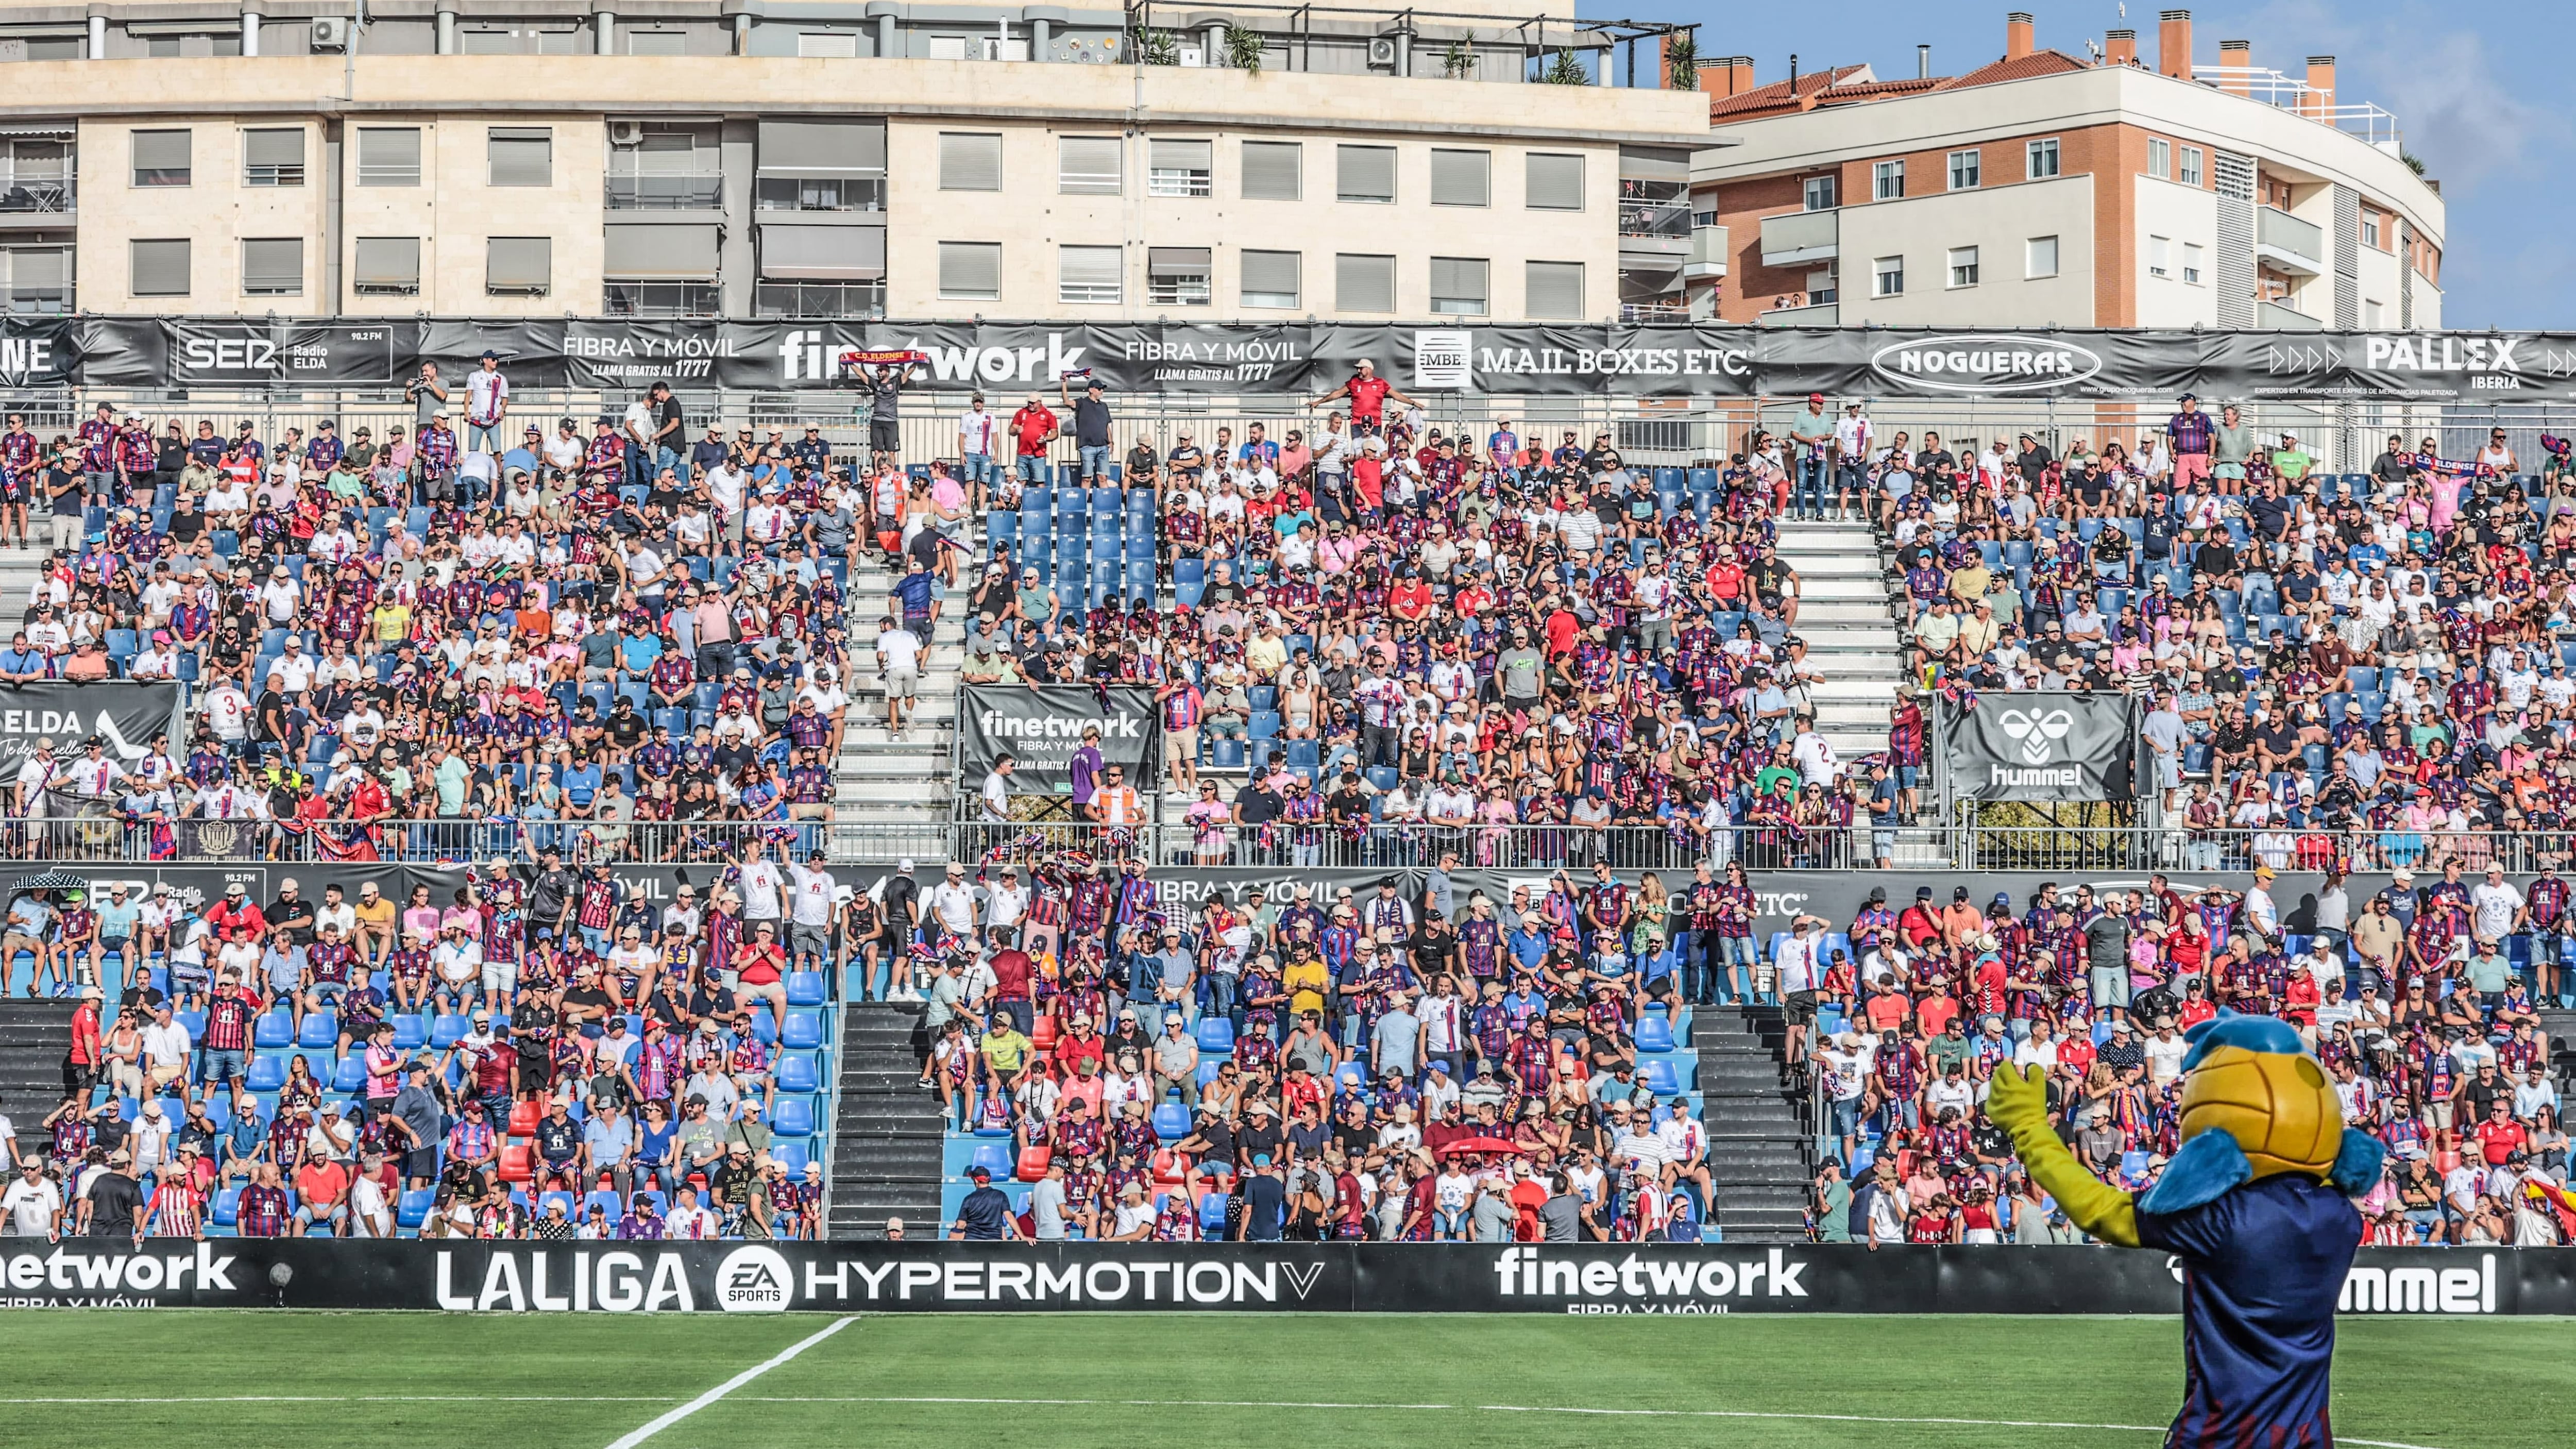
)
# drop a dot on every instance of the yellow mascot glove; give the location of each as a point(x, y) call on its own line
point(2018, 1103)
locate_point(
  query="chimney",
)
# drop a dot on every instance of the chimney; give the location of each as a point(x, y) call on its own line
point(2173, 44)
point(2017, 36)
point(2318, 102)
point(1728, 75)
point(2120, 47)
point(1922, 62)
point(2236, 62)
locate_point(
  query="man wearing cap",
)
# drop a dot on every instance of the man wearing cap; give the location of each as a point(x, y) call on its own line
point(111, 1206)
point(985, 1215)
point(1812, 433)
point(1369, 394)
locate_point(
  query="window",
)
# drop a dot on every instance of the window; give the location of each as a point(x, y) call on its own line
point(1462, 178)
point(971, 271)
point(522, 155)
point(2040, 160)
point(1086, 276)
point(2369, 228)
point(1887, 181)
point(2191, 263)
point(2159, 256)
point(970, 161)
point(2191, 165)
point(1365, 173)
point(827, 45)
point(1554, 181)
point(2159, 158)
point(1967, 170)
point(1271, 279)
point(1963, 266)
point(1274, 171)
point(2371, 315)
point(2039, 257)
point(1821, 193)
point(1180, 168)
point(820, 166)
point(656, 42)
point(518, 265)
point(1555, 292)
point(1887, 277)
point(273, 157)
point(273, 266)
point(1363, 283)
point(1458, 286)
point(161, 159)
point(1178, 276)
point(386, 266)
point(388, 156)
point(1087, 165)
point(160, 268)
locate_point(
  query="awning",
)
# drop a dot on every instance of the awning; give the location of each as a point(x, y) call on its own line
point(822, 253)
point(662, 249)
point(821, 148)
point(39, 128)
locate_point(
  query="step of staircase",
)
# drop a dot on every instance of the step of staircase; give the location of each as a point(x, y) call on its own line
point(886, 1137)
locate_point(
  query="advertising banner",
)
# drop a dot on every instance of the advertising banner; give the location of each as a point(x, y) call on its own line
point(60, 716)
point(1585, 1280)
point(38, 352)
point(1040, 727)
point(2047, 747)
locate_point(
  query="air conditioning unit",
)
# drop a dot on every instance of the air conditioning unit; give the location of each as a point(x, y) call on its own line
point(330, 33)
point(1190, 55)
point(625, 133)
point(1382, 53)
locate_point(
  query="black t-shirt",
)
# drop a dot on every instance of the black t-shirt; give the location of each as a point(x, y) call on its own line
point(296, 915)
point(626, 728)
point(1090, 423)
point(560, 1141)
point(116, 1201)
point(1259, 1138)
point(588, 1003)
point(885, 396)
point(665, 412)
point(1265, 1202)
point(982, 1213)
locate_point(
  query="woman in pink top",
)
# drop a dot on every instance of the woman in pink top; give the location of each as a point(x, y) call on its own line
point(420, 915)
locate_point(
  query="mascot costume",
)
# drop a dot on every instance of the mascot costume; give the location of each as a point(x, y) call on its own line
point(2256, 1206)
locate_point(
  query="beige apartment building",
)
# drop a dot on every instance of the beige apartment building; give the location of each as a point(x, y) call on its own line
point(744, 158)
point(2043, 188)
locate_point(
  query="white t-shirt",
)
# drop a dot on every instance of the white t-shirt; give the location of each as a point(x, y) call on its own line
point(811, 900)
point(31, 1206)
point(901, 649)
point(2495, 907)
point(761, 883)
point(484, 394)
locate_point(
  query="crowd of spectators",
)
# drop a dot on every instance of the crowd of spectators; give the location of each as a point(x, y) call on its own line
point(2418, 1001)
point(1311, 1063)
point(551, 1054)
point(617, 635)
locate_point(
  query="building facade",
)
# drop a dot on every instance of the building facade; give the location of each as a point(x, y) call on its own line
point(2046, 189)
point(712, 158)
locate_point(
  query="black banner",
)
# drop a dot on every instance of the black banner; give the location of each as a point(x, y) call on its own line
point(1040, 727)
point(125, 717)
point(1674, 360)
point(948, 1277)
point(2049, 747)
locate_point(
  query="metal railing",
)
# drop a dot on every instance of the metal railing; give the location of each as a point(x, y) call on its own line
point(2366, 122)
point(40, 195)
point(1670, 220)
point(818, 193)
point(104, 838)
point(851, 300)
point(676, 191)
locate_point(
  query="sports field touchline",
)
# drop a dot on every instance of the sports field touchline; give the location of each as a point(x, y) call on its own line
point(1042, 1403)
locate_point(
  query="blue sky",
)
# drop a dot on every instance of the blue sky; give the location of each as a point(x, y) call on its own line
point(2472, 86)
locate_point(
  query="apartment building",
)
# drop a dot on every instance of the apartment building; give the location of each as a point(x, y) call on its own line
point(2042, 188)
point(709, 158)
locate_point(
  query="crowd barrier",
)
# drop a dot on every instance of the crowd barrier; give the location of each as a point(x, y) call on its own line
point(953, 1277)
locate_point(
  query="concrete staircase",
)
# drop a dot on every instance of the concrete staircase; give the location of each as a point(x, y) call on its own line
point(1845, 615)
point(1759, 1153)
point(886, 1138)
point(34, 1037)
point(883, 780)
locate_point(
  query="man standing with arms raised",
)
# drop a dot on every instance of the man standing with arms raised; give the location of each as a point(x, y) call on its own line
point(1369, 394)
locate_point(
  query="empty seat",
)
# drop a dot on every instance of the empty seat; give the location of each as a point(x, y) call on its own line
point(804, 1029)
point(794, 1117)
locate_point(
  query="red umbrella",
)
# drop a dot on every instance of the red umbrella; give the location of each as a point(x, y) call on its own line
point(1481, 1144)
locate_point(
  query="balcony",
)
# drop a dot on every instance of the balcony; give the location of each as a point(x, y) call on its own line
point(1821, 314)
point(819, 193)
point(2289, 244)
point(36, 301)
point(1660, 310)
point(625, 298)
point(674, 191)
point(36, 198)
point(2280, 318)
point(821, 299)
point(1797, 237)
point(1709, 252)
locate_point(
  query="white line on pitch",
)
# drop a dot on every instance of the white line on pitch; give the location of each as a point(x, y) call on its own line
point(673, 1416)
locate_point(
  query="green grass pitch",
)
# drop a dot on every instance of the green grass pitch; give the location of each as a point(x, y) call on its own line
point(292, 1380)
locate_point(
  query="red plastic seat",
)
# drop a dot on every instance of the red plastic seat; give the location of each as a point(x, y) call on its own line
point(518, 1163)
point(1034, 1160)
point(524, 1117)
point(1043, 1037)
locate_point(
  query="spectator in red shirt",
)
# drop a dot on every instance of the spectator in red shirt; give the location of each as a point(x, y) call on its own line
point(1032, 428)
point(2500, 1137)
point(1369, 394)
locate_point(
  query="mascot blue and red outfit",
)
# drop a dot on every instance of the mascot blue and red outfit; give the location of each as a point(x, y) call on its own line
point(2256, 1204)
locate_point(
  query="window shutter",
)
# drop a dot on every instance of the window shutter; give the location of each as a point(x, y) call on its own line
point(1555, 291)
point(519, 263)
point(388, 156)
point(1462, 178)
point(388, 262)
point(821, 148)
point(823, 253)
point(1367, 173)
point(161, 158)
point(1555, 181)
point(160, 268)
point(273, 148)
point(1363, 283)
point(522, 156)
point(970, 161)
point(1088, 165)
point(1270, 279)
point(970, 270)
point(1273, 171)
point(1089, 274)
point(273, 266)
point(681, 250)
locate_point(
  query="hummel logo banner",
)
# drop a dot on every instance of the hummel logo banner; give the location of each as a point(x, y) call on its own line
point(1041, 727)
point(2049, 747)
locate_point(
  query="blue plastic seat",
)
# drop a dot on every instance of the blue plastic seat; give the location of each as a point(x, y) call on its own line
point(447, 1031)
point(351, 1075)
point(320, 1029)
point(794, 1117)
point(993, 1157)
point(1171, 1121)
point(1654, 1033)
point(804, 1029)
point(797, 1073)
point(1658, 1076)
point(1212, 1212)
point(1225, 754)
point(804, 988)
point(267, 1073)
point(605, 1199)
point(413, 1208)
point(274, 1031)
point(1216, 1035)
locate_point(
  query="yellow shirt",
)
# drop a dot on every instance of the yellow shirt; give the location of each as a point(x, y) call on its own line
point(1306, 981)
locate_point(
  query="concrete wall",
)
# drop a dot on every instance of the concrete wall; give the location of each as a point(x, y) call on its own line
point(1999, 221)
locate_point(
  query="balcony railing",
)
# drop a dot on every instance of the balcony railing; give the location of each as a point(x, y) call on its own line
point(818, 193)
point(1710, 250)
point(2292, 244)
point(36, 195)
point(1667, 219)
point(662, 299)
point(36, 301)
point(1656, 311)
point(1818, 314)
point(821, 299)
point(2279, 317)
point(1801, 236)
point(2362, 120)
point(683, 191)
